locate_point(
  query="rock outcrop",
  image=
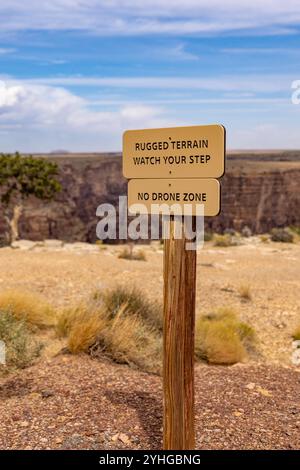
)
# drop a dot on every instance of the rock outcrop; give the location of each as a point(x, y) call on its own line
point(258, 191)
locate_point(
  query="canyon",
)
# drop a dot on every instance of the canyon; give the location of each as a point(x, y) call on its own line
point(260, 190)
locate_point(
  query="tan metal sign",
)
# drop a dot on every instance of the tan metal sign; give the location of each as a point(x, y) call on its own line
point(179, 152)
point(182, 196)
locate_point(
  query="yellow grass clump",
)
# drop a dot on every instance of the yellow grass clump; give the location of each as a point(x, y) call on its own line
point(124, 326)
point(245, 292)
point(296, 334)
point(224, 240)
point(135, 303)
point(86, 329)
point(28, 306)
point(107, 327)
point(130, 254)
point(221, 338)
point(129, 340)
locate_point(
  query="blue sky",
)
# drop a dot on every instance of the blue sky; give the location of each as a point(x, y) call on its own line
point(75, 73)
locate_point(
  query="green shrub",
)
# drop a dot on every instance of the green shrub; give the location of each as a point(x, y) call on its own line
point(21, 348)
point(282, 235)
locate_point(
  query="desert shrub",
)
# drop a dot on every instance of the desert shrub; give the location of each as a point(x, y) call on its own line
point(296, 334)
point(121, 335)
point(86, 328)
point(208, 236)
point(101, 245)
point(264, 238)
point(224, 240)
point(130, 340)
point(135, 303)
point(295, 229)
point(27, 306)
point(21, 348)
point(66, 319)
point(221, 338)
point(129, 253)
point(245, 292)
point(246, 232)
point(283, 235)
point(230, 231)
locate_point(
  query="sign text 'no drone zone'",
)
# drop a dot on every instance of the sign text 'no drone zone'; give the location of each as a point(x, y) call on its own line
point(154, 196)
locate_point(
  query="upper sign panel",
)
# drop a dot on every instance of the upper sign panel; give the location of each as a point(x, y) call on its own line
point(176, 152)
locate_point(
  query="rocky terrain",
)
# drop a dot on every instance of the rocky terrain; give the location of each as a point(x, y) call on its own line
point(259, 190)
point(77, 402)
point(80, 403)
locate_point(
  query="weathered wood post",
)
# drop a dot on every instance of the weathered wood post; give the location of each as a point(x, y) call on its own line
point(179, 328)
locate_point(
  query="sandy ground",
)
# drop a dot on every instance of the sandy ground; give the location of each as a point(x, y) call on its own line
point(272, 271)
point(75, 402)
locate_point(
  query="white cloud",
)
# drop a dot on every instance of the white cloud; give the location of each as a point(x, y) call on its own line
point(151, 16)
point(36, 117)
point(245, 83)
point(41, 118)
point(6, 51)
point(262, 50)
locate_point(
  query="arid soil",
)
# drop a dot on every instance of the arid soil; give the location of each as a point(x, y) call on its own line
point(271, 270)
point(75, 402)
point(80, 403)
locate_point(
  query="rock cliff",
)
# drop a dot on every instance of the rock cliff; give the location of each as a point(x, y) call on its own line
point(260, 191)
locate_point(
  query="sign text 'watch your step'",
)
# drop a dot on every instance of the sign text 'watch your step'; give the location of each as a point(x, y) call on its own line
point(183, 152)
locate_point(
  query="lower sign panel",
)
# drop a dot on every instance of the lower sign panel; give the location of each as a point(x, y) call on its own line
point(174, 196)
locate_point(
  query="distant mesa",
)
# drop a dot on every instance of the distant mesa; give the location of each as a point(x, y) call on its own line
point(59, 152)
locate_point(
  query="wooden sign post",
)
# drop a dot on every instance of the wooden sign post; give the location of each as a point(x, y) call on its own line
point(170, 167)
point(179, 327)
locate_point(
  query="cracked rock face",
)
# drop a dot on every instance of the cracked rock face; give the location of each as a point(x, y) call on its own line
point(259, 195)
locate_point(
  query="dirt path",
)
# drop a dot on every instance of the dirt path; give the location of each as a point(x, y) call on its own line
point(79, 403)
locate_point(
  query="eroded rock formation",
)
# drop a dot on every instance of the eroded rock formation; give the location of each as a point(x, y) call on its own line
point(258, 191)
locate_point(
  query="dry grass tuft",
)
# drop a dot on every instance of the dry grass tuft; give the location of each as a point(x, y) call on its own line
point(119, 324)
point(124, 326)
point(28, 306)
point(129, 340)
point(224, 240)
point(296, 334)
point(221, 338)
point(20, 347)
point(245, 292)
point(86, 328)
point(283, 235)
point(130, 254)
point(264, 238)
point(135, 303)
